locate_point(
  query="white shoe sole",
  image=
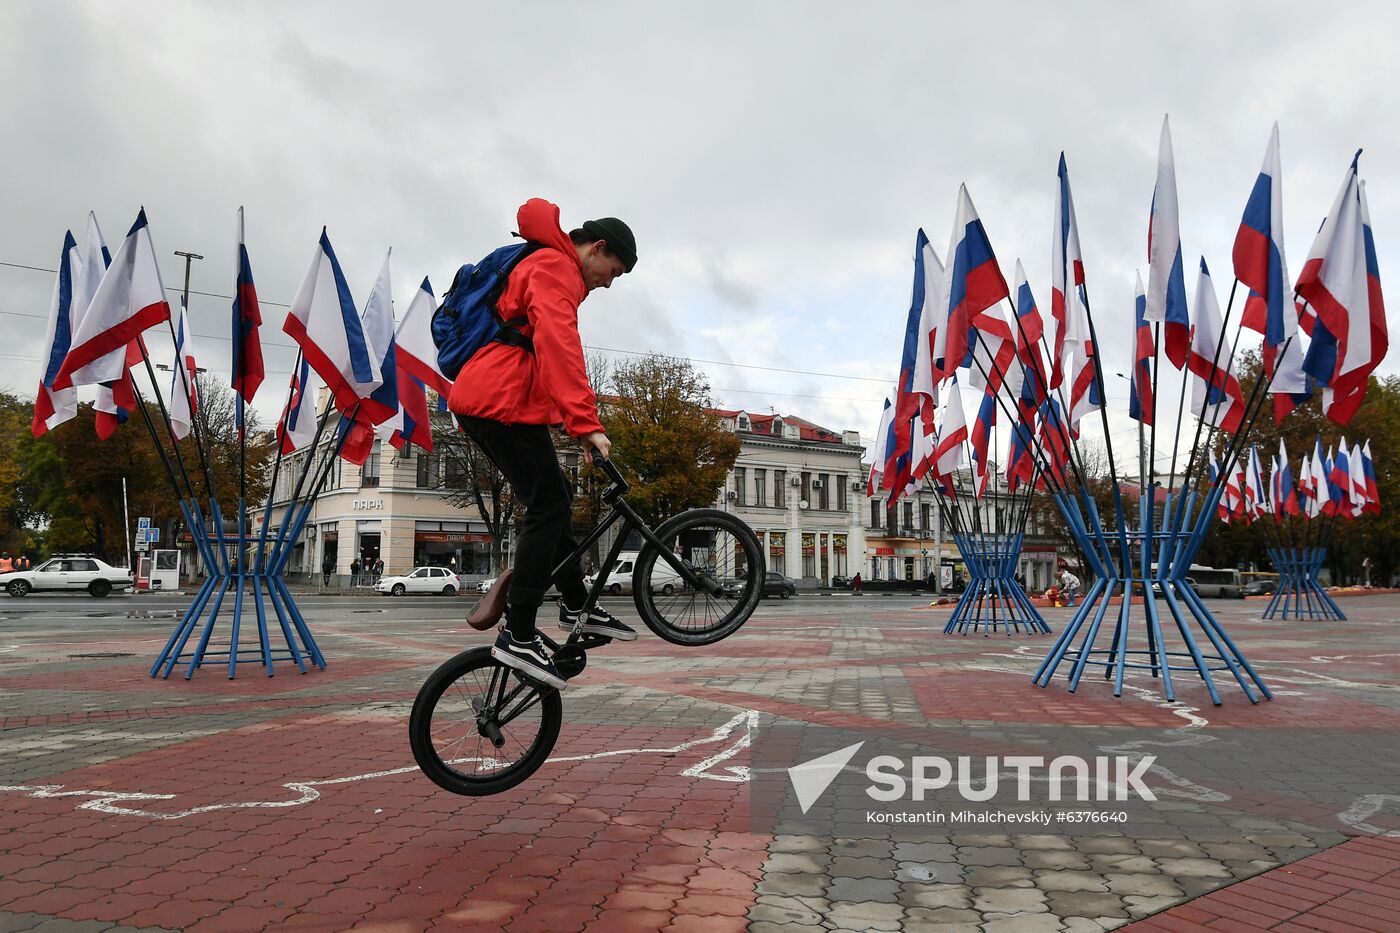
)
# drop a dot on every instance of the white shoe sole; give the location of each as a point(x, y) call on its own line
point(589, 628)
point(527, 669)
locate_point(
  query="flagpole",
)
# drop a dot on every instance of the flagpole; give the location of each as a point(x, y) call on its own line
point(160, 401)
point(185, 377)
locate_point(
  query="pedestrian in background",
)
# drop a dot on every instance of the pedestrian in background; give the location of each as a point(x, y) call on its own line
point(355, 573)
point(327, 569)
point(856, 584)
point(378, 570)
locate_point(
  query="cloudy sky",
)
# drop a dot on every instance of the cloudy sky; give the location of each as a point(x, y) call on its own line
point(775, 159)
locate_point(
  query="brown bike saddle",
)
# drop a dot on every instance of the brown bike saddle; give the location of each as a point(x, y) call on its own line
point(489, 609)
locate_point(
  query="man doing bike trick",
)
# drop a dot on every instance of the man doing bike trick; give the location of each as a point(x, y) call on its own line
point(507, 396)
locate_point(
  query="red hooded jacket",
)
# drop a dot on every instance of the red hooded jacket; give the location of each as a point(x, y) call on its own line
point(513, 386)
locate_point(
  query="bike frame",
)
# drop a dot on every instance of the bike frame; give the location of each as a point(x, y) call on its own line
point(622, 512)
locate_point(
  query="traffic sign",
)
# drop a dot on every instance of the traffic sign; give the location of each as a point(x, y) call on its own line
point(143, 522)
point(153, 535)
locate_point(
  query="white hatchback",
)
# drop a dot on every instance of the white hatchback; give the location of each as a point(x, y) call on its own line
point(421, 580)
point(73, 573)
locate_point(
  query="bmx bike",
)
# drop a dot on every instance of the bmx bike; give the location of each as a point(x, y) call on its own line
point(479, 727)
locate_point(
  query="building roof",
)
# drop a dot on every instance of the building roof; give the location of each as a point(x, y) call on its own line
point(763, 424)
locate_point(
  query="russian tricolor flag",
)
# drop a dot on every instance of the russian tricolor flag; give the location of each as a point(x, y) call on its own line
point(1166, 274)
point(413, 342)
point(914, 392)
point(247, 318)
point(974, 283)
point(1368, 472)
point(184, 392)
point(982, 428)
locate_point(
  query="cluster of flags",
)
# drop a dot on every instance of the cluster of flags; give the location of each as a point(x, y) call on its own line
point(378, 370)
point(967, 332)
point(1336, 302)
point(1326, 484)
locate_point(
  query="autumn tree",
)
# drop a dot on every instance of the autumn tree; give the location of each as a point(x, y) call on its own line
point(665, 436)
point(471, 480)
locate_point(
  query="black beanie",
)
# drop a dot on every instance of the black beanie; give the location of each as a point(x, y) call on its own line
point(618, 236)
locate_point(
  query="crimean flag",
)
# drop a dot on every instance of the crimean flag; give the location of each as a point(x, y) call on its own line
point(1345, 316)
point(1215, 392)
point(1368, 472)
point(53, 406)
point(129, 301)
point(247, 318)
point(298, 423)
point(324, 323)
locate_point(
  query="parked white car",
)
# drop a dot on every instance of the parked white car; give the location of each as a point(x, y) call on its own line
point(71, 573)
point(421, 580)
point(484, 586)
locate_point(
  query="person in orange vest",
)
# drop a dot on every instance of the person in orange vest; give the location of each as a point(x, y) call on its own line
point(6, 565)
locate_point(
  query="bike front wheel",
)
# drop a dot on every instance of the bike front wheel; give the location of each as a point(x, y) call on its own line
point(479, 728)
point(719, 549)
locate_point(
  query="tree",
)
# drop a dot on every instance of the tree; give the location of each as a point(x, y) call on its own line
point(70, 483)
point(472, 480)
point(666, 439)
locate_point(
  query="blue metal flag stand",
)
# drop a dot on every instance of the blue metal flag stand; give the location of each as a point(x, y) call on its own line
point(993, 599)
point(1300, 595)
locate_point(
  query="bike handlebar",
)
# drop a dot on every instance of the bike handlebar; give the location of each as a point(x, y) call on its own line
point(610, 469)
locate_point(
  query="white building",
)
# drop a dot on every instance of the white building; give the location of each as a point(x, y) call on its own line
point(799, 486)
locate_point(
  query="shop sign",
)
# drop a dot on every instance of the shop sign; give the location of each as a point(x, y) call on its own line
point(809, 544)
point(838, 542)
point(452, 537)
point(367, 504)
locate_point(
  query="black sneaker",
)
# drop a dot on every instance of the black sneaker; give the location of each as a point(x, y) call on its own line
point(599, 622)
point(529, 658)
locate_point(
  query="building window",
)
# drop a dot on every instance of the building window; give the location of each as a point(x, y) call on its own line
point(807, 488)
point(369, 473)
point(908, 516)
point(841, 494)
point(743, 422)
point(824, 494)
point(778, 426)
point(760, 491)
point(779, 488)
point(875, 510)
point(740, 481)
point(926, 516)
point(427, 470)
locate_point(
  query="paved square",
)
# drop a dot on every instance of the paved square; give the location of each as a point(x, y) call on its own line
point(293, 802)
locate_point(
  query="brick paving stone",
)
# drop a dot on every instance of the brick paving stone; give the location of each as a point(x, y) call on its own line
point(1008, 900)
point(924, 852)
point(1033, 923)
point(1068, 880)
point(848, 867)
point(941, 919)
point(863, 889)
point(792, 910)
point(988, 855)
point(865, 916)
point(795, 885)
point(1055, 859)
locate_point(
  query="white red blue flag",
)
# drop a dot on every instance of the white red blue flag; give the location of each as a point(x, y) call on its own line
point(1285, 496)
point(129, 301)
point(973, 283)
point(414, 339)
point(382, 404)
point(1368, 473)
point(416, 364)
point(1261, 266)
point(882, 444)
point(1356, 488)
point(1345, 316)
point(116, 400)
point(914, 392)
point(1141, 405)
point(1030, 329)
point(1020, 464)
point(324, 322)
point(1166, 271)
point(1215, 392)
point(184, 392)
point(297, 426)
point(247, 318)
point(982, 427)
point(1075, 356)
point(952, 435)
point(53, 406)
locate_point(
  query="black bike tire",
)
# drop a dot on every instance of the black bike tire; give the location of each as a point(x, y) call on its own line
point(420, 735)
point(645, 600)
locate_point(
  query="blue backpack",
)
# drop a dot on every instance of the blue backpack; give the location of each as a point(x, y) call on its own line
point(468, 319)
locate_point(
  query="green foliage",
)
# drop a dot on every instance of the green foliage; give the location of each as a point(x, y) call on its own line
point(63, 491)
point(669, 444)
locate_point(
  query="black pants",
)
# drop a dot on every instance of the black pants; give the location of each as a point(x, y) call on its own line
point(524, 453)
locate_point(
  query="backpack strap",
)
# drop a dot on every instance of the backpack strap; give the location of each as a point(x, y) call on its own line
point(510, 334)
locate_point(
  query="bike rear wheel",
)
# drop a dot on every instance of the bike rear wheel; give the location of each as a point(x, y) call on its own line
point(479, 728)
point(724, 553)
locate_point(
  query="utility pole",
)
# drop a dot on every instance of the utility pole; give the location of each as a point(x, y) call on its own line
point(189, 259)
